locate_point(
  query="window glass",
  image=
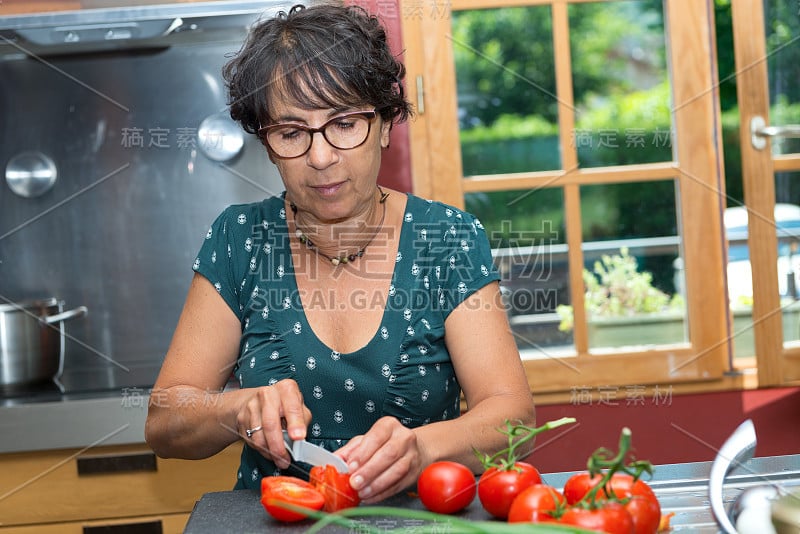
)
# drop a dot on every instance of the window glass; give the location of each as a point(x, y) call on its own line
point(787, 230)
point(633, 272)
point(505, 78)
point(783, 65)
point(620, 83)
point(526, 231)
point(740, 284)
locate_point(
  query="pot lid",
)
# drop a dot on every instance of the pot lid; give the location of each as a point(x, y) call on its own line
point(32, 304)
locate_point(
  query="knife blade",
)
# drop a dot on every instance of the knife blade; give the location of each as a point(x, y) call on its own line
point(303, 451)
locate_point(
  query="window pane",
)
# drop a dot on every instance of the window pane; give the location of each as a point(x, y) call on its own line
point(633, 272)
point(505, 79)
point(526, 231)
point(620, 83)
point(783, 64)
point(787, 230)
point(740, 284)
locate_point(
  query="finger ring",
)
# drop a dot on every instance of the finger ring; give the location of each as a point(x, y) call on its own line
point(251, 431)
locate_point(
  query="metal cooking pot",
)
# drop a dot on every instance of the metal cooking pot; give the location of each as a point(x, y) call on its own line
point(32, 341)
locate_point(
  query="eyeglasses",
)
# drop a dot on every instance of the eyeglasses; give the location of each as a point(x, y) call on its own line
point(292, 140)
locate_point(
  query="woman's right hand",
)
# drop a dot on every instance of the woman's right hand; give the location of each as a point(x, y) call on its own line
point(273, 409)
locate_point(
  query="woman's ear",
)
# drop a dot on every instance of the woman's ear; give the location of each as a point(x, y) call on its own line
point(386, 127)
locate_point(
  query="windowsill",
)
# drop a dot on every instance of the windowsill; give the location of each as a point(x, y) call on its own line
point(746, 379)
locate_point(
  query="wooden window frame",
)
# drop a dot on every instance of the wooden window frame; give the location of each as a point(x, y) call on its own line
point(697, 168)
point(776, 364)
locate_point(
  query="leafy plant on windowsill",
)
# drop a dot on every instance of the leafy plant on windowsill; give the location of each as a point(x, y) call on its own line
point(616, 288)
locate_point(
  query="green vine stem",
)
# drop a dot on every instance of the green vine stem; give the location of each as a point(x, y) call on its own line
point(518, 435)
point(606, 463)
point(435, 522)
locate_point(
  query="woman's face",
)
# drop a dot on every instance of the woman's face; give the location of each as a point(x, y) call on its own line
point(330, 183)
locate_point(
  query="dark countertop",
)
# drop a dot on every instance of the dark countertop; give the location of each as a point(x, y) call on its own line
point(241, 512)
point(681, 488)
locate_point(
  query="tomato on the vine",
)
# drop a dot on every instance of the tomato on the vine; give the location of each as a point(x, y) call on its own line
point(497, 487)
point(646, 514)
point(624, 485)
point(643, 505)
point(505, 475)
point(446, 487)
point(535, 504)
point(579, 485)
point(335, 487)
point(610, 517)
point(279, 490)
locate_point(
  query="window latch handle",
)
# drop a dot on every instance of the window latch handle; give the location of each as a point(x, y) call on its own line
point(759, 131)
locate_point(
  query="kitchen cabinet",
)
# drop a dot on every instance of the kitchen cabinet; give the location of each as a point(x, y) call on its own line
point(78, 490)
point(19, 7)
point(166, 524)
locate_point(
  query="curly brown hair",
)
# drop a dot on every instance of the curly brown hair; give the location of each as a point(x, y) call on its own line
point(323, 56)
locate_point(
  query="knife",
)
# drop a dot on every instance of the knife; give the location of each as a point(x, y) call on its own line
point(303, 451)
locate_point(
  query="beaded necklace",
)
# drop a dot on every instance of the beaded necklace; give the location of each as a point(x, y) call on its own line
point(340, 260)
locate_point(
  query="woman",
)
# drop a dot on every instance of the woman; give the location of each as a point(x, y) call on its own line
point(351, 315)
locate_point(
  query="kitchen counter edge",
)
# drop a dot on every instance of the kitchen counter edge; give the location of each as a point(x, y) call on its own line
point(90, 421)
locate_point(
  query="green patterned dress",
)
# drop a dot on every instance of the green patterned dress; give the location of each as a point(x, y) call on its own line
point(404, 371)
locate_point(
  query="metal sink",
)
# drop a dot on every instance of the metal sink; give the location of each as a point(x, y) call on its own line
point(683, 488)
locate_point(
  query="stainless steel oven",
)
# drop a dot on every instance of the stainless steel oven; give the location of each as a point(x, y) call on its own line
point(117, 153)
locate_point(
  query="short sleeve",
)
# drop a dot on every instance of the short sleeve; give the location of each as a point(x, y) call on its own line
point(469, 265)
point(450, 251)
point(216, 260)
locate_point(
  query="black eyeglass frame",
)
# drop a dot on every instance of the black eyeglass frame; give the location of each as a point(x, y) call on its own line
point(264, 131)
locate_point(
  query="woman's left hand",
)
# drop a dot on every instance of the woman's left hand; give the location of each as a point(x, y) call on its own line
point(384, 461)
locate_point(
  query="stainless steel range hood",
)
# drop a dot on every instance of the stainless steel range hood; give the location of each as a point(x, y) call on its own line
point(126, 107)
point(129, 27)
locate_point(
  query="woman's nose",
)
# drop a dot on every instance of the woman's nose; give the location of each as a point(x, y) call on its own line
point(321, 153)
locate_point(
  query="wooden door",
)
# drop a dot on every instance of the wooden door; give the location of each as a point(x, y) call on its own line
point(769, 157)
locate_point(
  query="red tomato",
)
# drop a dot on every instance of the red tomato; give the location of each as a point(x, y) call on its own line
point(643, 507)
point(579, 485)
point(497, 488)
point(611, 518)
point(291, 490)
point(534, 504)
point(335, 487)
point(446, 487)
point(646, 514)
point(621, 484)
point(624, 486)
